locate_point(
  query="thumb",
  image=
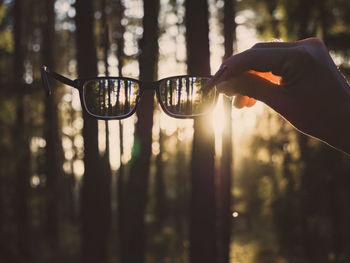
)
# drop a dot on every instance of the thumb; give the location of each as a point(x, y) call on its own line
point(252, 85)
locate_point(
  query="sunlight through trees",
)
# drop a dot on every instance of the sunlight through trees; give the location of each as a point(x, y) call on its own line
point(232, 186)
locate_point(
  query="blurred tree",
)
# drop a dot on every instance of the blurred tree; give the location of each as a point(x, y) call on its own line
point(160, 202)
point(4, 170)
point(53, 163)
point(132, 222)
point(120, 30)
point(21, 141)
point(181, 210)
point(225, 178)
point(95, 208)
point(106, 173)
point(2, 204)
point(202, 204)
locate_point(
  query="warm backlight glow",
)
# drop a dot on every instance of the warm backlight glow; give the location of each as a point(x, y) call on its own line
point(267, 75)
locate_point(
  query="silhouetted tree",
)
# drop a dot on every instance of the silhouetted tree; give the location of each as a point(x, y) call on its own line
point(225, 178)
point(95, 208)
point(53, 165)
point(132, 225)
point(120, 29)
point(202, 207)
point(21, 142)
point(160, 202)
point(106, 173)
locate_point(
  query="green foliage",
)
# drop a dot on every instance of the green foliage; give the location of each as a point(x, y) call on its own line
point(6, 40)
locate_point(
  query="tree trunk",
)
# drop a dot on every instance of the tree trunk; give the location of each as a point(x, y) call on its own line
point(309, 247)
point(225, 179)
point(21, 142)
point(121, 172)
point(202, 204)
point(2, 205)
point(94, 198)
point(51, 135)
point(181, 210)
point(107, 174)
point(160, 209)
point(160, 190)
point(133, 229)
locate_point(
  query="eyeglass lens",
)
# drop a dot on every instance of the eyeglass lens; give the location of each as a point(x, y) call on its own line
point(184, 96)
point(110, 97)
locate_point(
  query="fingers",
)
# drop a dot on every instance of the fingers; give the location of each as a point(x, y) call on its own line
point(268, 76)
point(251, 102)
point(266, 57)
point(248, 73)
point(272, 57)
point(253, 86)
point(240, 101)
point(259, 59)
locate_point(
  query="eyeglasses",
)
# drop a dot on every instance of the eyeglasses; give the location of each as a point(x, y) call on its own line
point(108, 98)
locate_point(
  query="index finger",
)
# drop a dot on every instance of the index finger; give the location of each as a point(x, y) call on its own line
point(212, 82)
point(259, 59)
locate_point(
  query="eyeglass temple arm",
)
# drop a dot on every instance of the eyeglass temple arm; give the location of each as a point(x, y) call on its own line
point(214, 80)
point(45, 71)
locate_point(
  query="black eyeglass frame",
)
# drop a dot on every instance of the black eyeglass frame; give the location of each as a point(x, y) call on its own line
point(143, 85)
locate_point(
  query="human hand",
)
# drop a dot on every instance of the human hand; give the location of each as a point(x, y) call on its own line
point(312, 94)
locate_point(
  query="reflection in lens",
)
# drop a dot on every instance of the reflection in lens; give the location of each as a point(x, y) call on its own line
point(184, 95)
point(110, 97)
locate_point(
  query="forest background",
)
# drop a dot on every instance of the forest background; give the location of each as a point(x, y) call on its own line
point(234, 186)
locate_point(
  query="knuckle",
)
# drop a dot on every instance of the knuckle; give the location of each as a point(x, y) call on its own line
point(303, 54)
point(315, 42)
point(314, 45)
